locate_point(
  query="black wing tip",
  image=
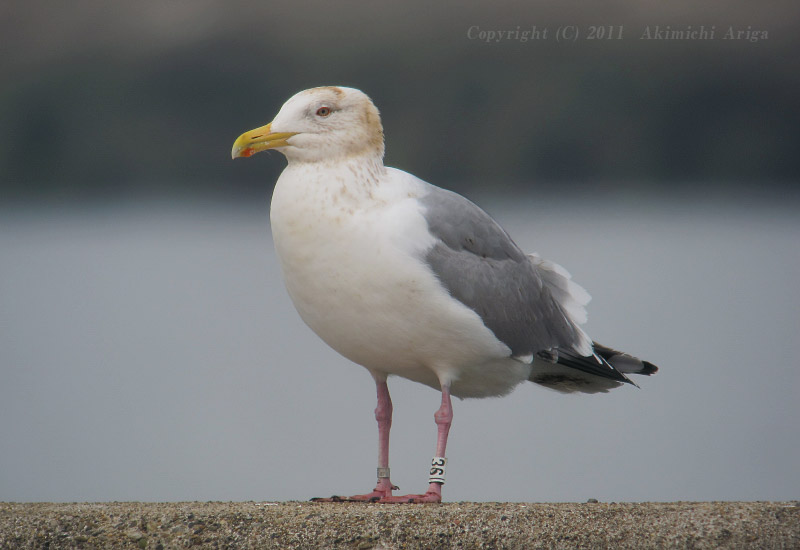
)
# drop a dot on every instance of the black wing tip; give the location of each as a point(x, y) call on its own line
point(647, 368)
point(626, 379)
point(594, 365)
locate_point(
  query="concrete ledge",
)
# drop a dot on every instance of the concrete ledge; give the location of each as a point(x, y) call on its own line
point(365, 526)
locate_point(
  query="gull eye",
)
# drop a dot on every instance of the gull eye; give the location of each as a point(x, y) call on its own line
point(323, 111)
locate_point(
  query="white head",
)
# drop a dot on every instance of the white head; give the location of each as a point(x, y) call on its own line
point(319, 125)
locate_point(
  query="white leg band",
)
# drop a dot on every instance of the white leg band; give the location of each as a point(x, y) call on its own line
point(438, 464)
point(383, 472)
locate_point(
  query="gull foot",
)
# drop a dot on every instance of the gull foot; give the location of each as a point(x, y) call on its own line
point(382, 494)
point(429, 497)
point(383, 490)
point(433, 495)
point(374, 496)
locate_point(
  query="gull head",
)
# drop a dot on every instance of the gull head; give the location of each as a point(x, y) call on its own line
point(319, 125)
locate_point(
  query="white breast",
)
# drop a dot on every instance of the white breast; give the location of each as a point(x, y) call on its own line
point(352, 265)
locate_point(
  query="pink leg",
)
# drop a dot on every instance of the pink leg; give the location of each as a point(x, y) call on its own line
point(443, 418)
point(383, 414)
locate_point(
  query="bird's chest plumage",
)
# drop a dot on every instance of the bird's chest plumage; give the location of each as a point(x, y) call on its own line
point(334, 269)
point(353, 266)
point(345, 268)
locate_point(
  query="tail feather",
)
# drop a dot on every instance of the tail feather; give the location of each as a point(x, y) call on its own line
point(624, 362)
point(606, 368)
point(595, 365)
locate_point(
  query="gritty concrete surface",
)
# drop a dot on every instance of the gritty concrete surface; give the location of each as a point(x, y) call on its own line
point(365, 526)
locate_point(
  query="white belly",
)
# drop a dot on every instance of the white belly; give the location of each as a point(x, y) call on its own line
point(357, 280)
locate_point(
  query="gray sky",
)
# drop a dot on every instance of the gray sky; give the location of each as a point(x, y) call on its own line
point(150, 352)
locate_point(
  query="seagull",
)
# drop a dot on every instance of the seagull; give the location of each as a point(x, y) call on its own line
point(409, 279)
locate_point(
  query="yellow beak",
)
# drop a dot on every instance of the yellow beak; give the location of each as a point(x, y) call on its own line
point(258, 140)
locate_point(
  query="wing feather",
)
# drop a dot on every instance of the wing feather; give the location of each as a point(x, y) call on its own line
point(528, 303)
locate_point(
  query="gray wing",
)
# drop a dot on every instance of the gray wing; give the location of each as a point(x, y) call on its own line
point(479, 265)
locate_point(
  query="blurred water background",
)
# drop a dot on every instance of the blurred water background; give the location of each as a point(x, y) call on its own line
point(148, 350)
